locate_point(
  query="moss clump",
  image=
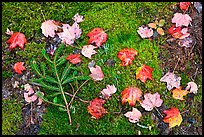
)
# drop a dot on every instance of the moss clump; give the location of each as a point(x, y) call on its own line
point(11, 116)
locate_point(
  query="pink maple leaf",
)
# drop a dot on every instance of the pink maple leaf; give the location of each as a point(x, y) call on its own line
point(151, 101)
point(29, 95)
point(133, 115)
point(78, 18)
point(88, 51)
point(181, 19)
point(96, 73)
point(145, 32)
point(172, 80)
point(49, 27)
point(67, 36)
point(108, 91)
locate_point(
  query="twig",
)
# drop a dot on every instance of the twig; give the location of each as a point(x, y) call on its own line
point(158, 112)
point(142, 126)
point(176, 64)
point(77, 91)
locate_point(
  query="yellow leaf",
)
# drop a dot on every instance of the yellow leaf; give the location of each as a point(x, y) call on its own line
point(179, 93)
point(152, 25)
point(160, 31)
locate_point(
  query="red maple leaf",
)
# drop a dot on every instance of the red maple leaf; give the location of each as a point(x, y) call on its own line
point(173, 117)
point(131, 95)
point(126, 56)
point(96, 109)
point(97, 36)
point(17, 39)
point(144, 73)
point(74, 58)
point(18, 67)
point(184, 5)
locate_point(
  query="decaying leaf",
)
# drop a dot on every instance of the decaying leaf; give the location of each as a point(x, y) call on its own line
point(74, 58)
point(134, 115)
point(145, 32)
point(143, 73)
point(78, 18)
point(17, 39)
point(186, 42)
point(96, 108)
point(193, 87)
point(198, 6)
point(108, 91)
point(181, 19)
point(97, 36)
point(173, 117)
point(131, 95)
point(39, 99)
point(172, 80)
point(49, 27)
point(96, 73)
point(18, 67)
point(126, 55)
point(29, 95)
point(151, 101)
point(161, 23)
point(178, 93)
point(184, 5)
point(88, 51)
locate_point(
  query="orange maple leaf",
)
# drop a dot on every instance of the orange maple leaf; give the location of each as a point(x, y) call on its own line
point(179, 93)
point(173, 117)
point(96, 109)
point(131, 95)
point(17, 39)
point(18, 67)
point(126, 56)
point(144, 73)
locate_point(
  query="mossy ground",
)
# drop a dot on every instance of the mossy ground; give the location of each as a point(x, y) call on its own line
point(11, 118)
point(120, 21)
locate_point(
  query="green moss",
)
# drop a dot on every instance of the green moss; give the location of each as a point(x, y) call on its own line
point(11, 116)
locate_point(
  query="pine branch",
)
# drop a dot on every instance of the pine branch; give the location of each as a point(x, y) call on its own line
point(70, 79)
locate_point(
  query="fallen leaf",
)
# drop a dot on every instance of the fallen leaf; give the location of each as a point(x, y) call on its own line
point(134, 115)
point(27, 87)
point(160, 31)
point(49, 27)
point(29, 95)
point(178, 93)
point(9, 32)
point(181, 19)
point(70, 33)
point(96, 108)
point(151, 101)
point(143, 73)
point(88, 51)
point(198, 6)
point(172, 80)
point(131, 95)
point(145, 32)
point(17, 39)
point(126, 56)
point(74, 58)
point(78, 18)
point(184, 5)
point(96, 73)
point(178, 32)
point(108, 91)
point(173, 117)
point(161, 23)
point(97, 36)
point(193, 87)
point(152, 25)
point(186, 42)
point(18, 67)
